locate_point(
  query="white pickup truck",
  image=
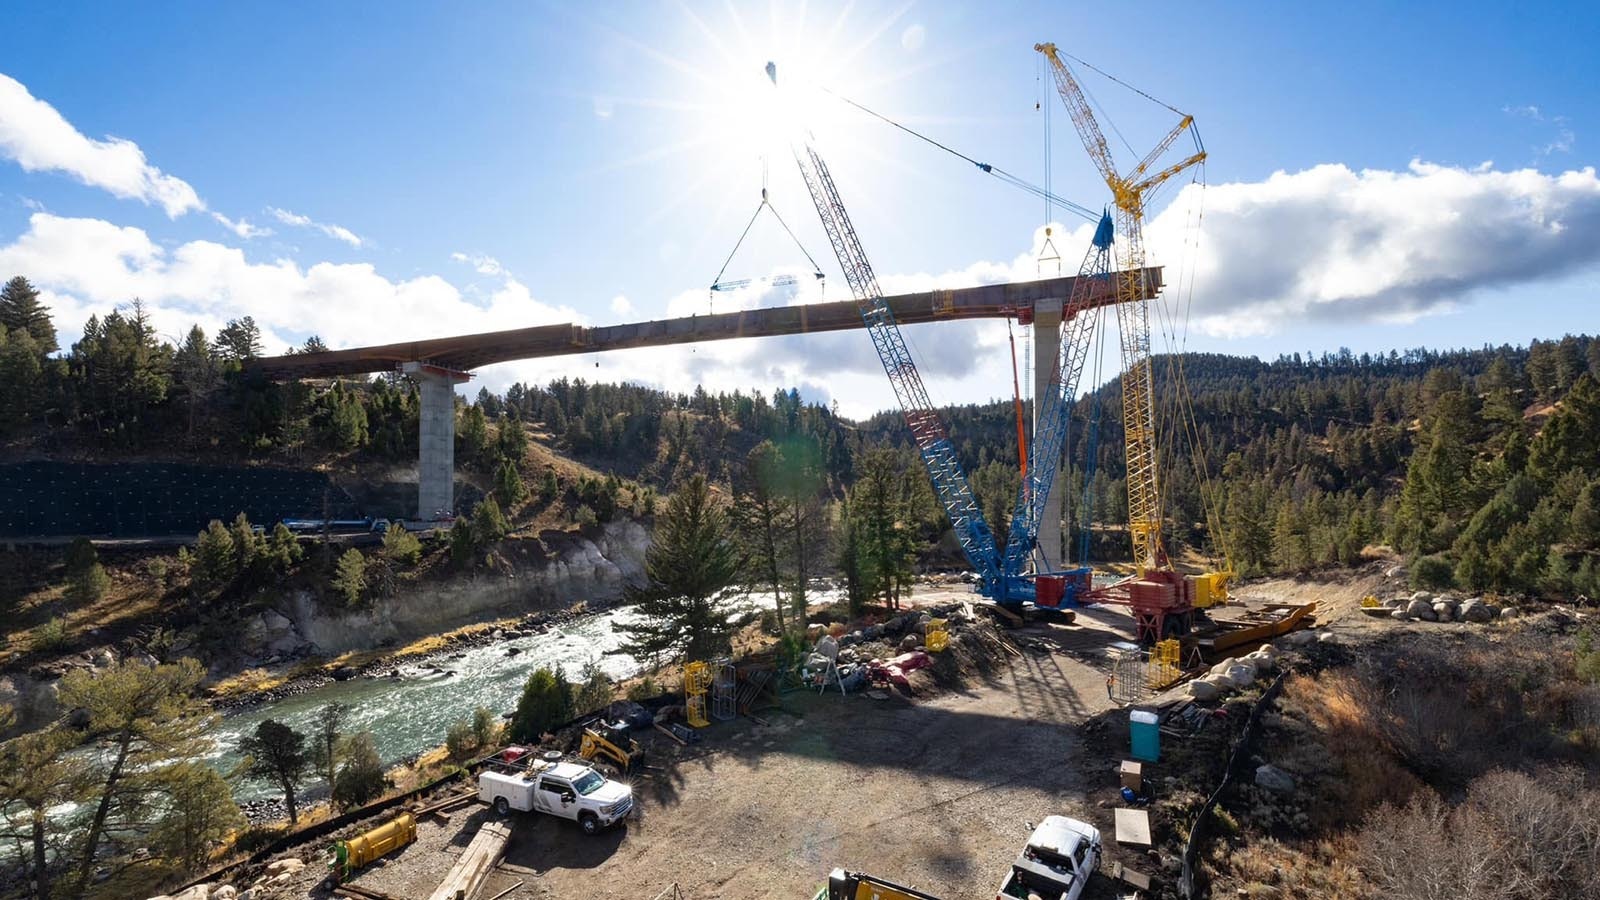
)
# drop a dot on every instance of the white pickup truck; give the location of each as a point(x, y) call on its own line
point(569, 790)
point(1056, 864)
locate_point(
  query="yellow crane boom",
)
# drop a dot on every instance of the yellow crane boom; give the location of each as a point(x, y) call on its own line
point(1133, 315)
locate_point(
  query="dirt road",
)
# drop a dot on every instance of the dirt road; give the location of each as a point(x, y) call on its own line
point(937, 793)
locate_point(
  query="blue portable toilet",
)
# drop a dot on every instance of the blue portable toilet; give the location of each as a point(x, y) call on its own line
point(1144, 733)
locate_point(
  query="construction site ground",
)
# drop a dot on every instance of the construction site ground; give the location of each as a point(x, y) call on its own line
point(938, 792)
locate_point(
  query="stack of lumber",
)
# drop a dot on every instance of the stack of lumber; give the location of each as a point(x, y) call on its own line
point(469, 872)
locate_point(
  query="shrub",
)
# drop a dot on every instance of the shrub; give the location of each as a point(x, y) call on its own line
point(1432, 573)
point(1515, 836)
point(594, 692)
point(47, 636)
point(361, 777)
point(546, 702)
point(585, 517)
point(89, 585)
point(461, 542)
point(645, 688)
point(401, 545)
point(459, 741)
point(1586, 658)
point(485, 727)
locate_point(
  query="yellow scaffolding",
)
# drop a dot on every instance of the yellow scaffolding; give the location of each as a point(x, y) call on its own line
point(696, 681)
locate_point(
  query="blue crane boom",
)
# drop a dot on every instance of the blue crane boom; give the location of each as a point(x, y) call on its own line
point(1056, 407)
point(927, 428)
point(1001, 575)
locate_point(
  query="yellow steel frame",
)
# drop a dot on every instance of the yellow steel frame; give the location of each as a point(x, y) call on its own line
point(1133, 314)
point(696, 681)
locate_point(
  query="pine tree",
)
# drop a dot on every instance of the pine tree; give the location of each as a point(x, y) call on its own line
point(22, 380)
point(350, 578)
point(278, 753)
point(488, 522)
point(511, 440)
point(360, 777)
point(239, 340)
point(86, 578)
point(215, 556)
point(196, 372)
point(760, 513)
point(401, 545)
point(508, 485)
point(20, 310)
point(472, 436)
point(546, 703)
point(692, 559)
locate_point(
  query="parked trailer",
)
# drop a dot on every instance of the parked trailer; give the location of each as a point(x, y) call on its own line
point(361, 850)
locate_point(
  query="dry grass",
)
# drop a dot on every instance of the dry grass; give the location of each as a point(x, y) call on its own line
point(1349, 739)
point(130, 598)
point(1267, 867)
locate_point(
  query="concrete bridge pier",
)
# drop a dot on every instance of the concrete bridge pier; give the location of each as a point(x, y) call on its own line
point(436, 439)
point(1046, 356)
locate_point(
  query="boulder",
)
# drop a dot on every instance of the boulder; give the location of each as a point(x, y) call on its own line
point(1400, 615)
point(1395, 572)
point(1424, 596)
point(1419, 605)
point(1509, 612)
point(1443, 612)
point(1262, 661)
point(1475, 612)
point(1299, 638)
point(226, 892)
point(910, 642)
point(345, 673)
point(198, 892)
point(1274, 779)
point(1240, 676)
point(1425, 613)
point(288, 864)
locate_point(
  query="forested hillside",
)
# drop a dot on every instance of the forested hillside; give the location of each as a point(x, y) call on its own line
point(1482, 464)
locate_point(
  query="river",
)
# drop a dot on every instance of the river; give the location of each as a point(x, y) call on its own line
point(409, 715)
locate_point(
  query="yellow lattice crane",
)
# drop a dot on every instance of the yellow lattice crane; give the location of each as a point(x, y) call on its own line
point(1133, 315)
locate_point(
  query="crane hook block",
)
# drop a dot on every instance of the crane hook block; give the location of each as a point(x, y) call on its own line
point(772, 71)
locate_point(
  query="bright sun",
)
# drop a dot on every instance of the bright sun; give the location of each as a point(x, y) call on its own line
point(728, 129)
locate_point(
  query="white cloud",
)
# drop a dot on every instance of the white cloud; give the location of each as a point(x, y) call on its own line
point(1325, 244)
point(40, 139)
point(242, 227)
point(338, 232)
point(1330, 243)
point(483, 265)
point(1564, 135)
point(87, 266)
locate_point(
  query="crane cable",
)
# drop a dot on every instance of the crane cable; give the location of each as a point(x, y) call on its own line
point(1178, 386)
point(764, 204)
point(1013, 180)
point(1016, 396)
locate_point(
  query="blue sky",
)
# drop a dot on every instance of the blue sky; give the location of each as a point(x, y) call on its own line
point(427, 170)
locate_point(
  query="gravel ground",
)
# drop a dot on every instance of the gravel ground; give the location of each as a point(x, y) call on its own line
point(938, 792)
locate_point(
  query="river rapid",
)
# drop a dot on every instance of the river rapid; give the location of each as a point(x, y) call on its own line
point(410, 714)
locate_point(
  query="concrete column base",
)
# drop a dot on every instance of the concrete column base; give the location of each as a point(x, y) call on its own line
point(436, 438)
point(1046, 356)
